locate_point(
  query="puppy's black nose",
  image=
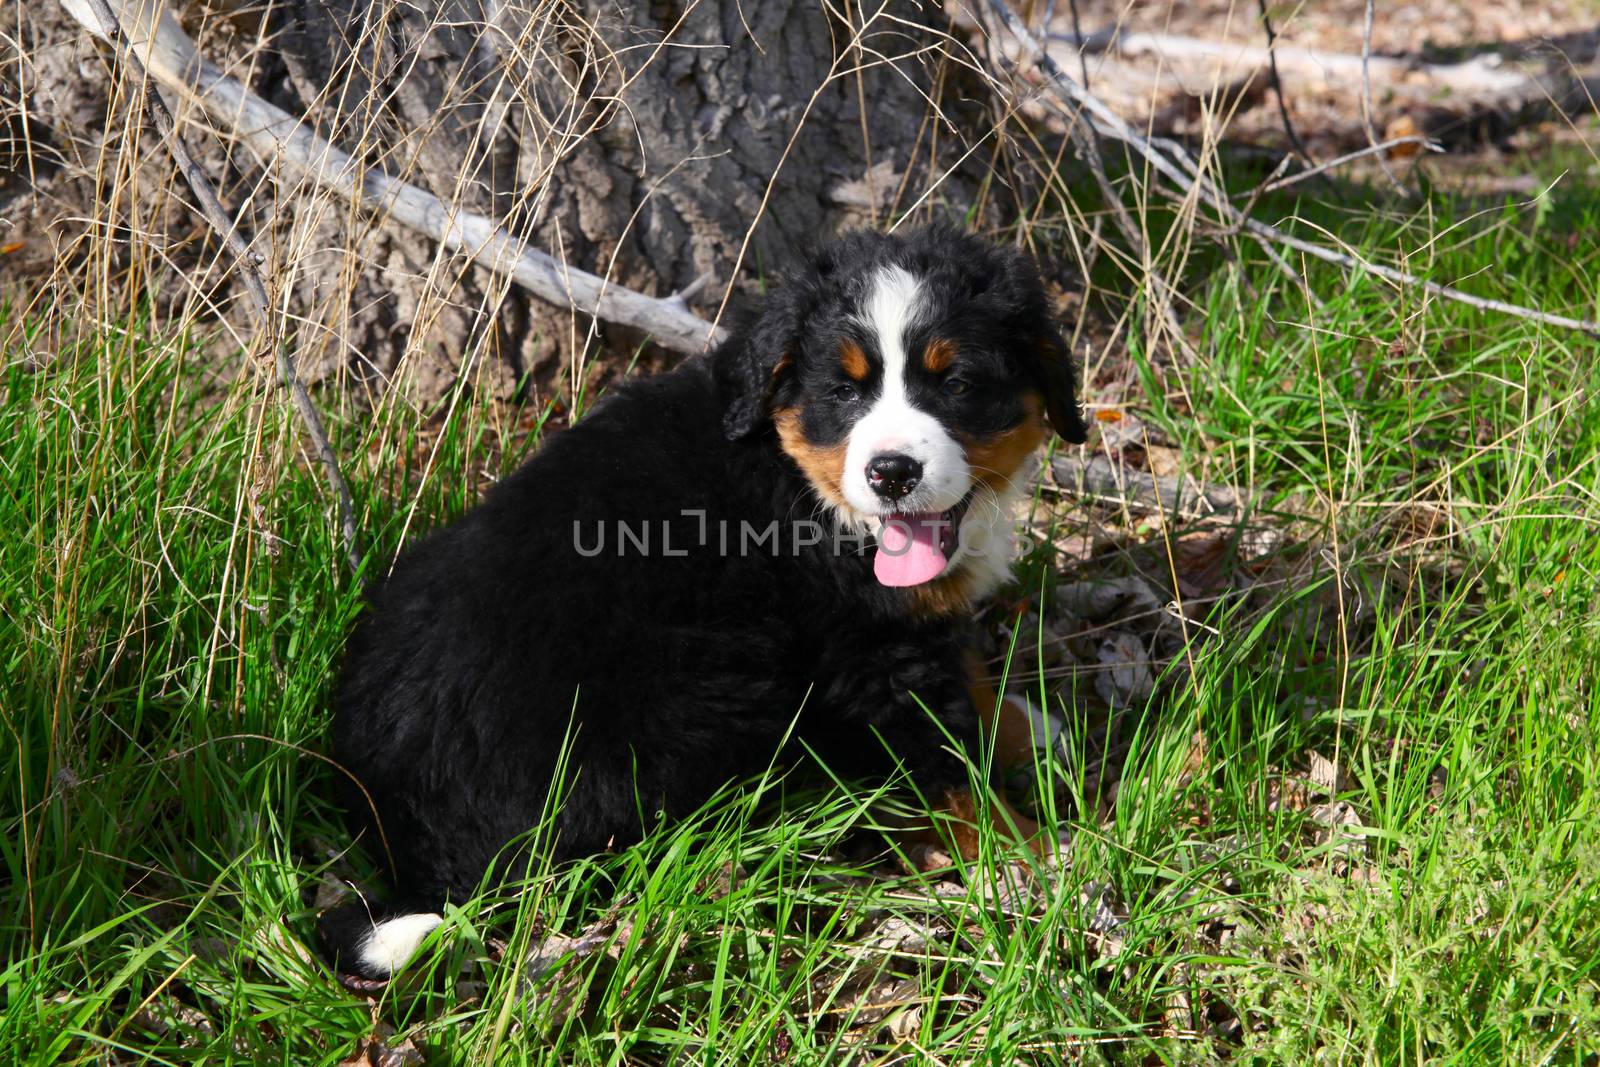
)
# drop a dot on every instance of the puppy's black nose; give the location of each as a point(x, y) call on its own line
point(893, 475)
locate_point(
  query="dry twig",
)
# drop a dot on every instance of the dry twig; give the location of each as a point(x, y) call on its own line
point(1366, 98)
point(1085, 140)
point(260, 303)
point(1277, 86)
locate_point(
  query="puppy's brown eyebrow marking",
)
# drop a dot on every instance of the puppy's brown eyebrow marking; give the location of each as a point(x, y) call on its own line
point(939, 354)
point(854, 361)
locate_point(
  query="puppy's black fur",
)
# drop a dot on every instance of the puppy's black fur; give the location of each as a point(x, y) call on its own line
point(499, 642)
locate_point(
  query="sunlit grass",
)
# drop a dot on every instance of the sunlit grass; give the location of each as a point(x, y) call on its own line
point(174, 608)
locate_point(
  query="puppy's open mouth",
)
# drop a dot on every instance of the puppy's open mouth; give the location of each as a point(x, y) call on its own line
point(915, 547)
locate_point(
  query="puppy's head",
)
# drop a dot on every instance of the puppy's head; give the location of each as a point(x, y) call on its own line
point(909, 378)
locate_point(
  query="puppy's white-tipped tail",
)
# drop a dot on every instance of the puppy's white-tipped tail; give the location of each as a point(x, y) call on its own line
point(370, 942)
point(391, 943)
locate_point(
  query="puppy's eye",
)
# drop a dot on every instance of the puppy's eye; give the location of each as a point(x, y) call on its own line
point(956, 386)
point(845, 394)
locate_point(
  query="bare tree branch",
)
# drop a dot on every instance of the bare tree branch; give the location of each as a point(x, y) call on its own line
point(1480, 75)
point(1181, 497)
point(290, 146)
point(1179, 169)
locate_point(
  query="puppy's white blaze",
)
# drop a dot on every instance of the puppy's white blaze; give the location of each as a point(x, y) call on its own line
point(393, 942)
point(891, 308)
point(889, 311)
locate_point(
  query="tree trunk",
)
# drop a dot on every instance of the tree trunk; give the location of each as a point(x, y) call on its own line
point(639, 142)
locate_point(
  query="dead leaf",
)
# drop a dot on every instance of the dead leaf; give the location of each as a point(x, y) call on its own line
point(873, 191)
point(1403, 126)
point(1104, 919)
point(1286, 794)
point(1195, 762)
point(554, 949)
point(1326, 776)
point(1124, 679)
point(1161, 461)
point(1104, 599)
point(1012, 889)
point(1335, 821)
point(331, 892)
point(896, 936)
point(1125, 431)
point(1258, 542)
point(170, 1018)
point(1179, 1015)
point(563, 989)
point(275, 941)
point(875, 1002)
point(905, 1023)
point(1201, 560)
point(375, 1051)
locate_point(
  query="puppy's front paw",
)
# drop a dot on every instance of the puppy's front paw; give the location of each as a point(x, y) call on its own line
point(953, 830)
point(1024, 728)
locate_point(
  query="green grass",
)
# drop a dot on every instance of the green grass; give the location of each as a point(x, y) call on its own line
point(174, 607)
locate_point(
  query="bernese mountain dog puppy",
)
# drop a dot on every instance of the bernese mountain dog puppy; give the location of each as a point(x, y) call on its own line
point(788, 533)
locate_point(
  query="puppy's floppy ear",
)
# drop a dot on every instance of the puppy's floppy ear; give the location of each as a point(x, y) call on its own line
point(1015, 287)
point(1057, 376)
point(754, 365)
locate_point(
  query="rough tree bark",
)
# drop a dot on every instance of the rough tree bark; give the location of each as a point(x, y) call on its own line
point(632, 140)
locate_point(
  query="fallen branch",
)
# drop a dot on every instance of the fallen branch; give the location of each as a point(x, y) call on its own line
point(1177, 497)
point(288, 145)
point(1183, 173)
point(1328, 255)
point(1482, 75)
point(260, 305)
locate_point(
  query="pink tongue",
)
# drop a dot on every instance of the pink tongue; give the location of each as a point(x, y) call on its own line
point(908, 549)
